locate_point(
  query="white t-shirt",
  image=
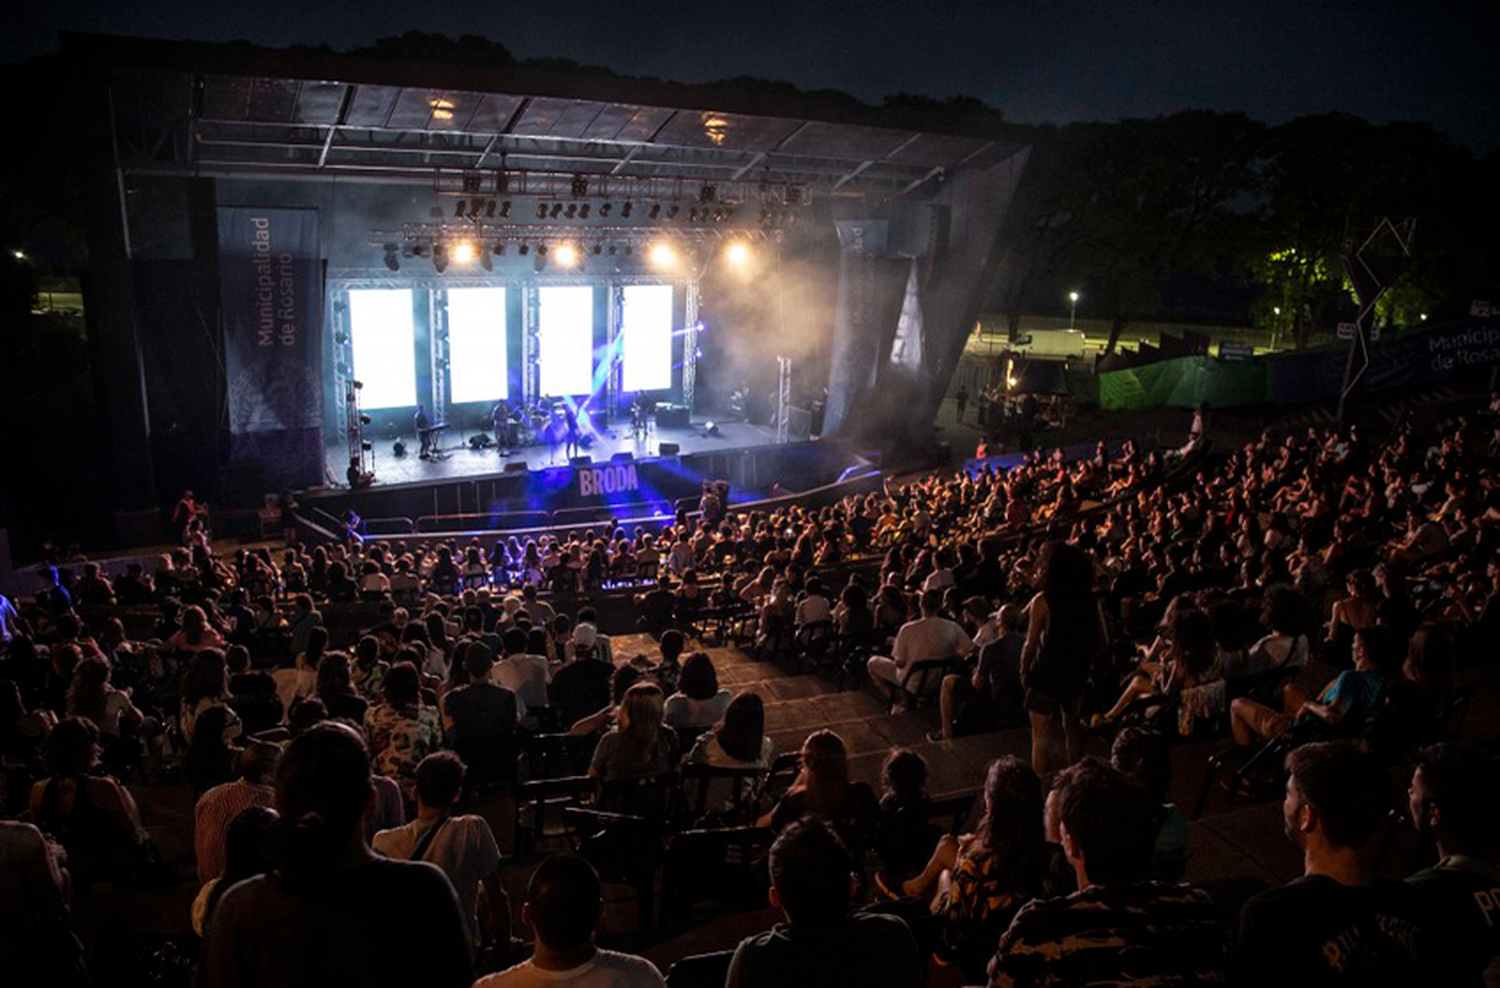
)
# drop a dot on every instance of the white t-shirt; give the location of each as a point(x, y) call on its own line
point(606, 969)
point(813, 608)
point(465, 849)
point(526, 676)
point(930, 638)
point(682, 710)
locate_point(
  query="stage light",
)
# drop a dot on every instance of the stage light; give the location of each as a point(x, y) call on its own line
point(580, 186)
point(571, 211)
point(365, 420)
point(557, 209)
point(583, 211)
point(505, 210)
point(499, 250)
point(392, 259)
point(463, 252)
point(523, 250)
point(459, 207)
point(605, 209)
point(625, 209)
point(484, 260)
point(440, 258)
point(19, 255)
point(663, 256)
point(541, 210)
point(672, 211)
point(655, 210)
point(398, 449)
point(693, 215)
point(707, 193)
point(566, 255)
point(599, 249)
point(489, 210)
point(737, 253)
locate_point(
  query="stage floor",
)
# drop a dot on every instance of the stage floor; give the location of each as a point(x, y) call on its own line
point(462, 461)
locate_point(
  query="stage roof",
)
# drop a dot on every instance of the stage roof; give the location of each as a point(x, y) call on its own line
point(236, 111)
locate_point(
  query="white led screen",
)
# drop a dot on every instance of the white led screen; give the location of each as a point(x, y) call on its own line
point(476, 344)
point(566, 338)
point(646, 328)
point(380, 327)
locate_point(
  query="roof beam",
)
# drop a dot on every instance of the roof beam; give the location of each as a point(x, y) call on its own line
point(937, 170)
point(629, 157)
point(851, 176)
point(494, 139)
point(759, 157)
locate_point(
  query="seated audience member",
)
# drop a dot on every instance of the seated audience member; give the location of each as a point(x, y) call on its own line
point(196, 634)
point(739, 741)
point(460, 844)
point(93, 816)
point(638, 745)
point(402, 730)
point(91, 695)
point(1351, 700)
point(698, 702)
point(335, 687)
point(205, 685)
point(1286, 646)
point(482, 716)
point(1119, 928)
point(37, 945)
point(930, 636)
point(523, 673)
point(993, 872)
point(252, 693)
point(582, 685)
point(991, 695)
point(1455, 802)
point(823, 789)
point(822, 942)
point(400, 921)
point(563, 903)
point(308, 662)
point(1145, 759)
point(671, 645)
point(903, 833)
point(245, 854)
point(213, 753)
point(1339, 924)
point(218, 807)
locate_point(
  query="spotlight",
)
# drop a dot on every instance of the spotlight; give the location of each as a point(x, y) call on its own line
point(541, 250)
point(557, 209)
point(693, 215)
point(484, 260)
point(662, 255)
point(708, 193)
point(440, 257)
point(737, 253)
point(571, 211)
point(655, 210)
point(459, 207)
point(611, 250)
point(499, 250)
point(580, 186)
point(392, 260)
point(357, 384)
point(625, 209)
point(566, 255)
point(366, 445)
point(365, 420)
point(505, 210)
point(583, 211)
point(541, 210)
point(523, 250)
point(398, 449)
point(672, 211)
point(599, 249)
point(489, 210)
point(604, 210)
point(463, 252)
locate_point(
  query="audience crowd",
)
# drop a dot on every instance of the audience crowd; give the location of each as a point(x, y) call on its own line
point(1311, 601)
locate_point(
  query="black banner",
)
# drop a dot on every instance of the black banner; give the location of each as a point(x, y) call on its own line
point(271, 282)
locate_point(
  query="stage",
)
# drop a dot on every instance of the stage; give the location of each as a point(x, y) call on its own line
point(464, 462)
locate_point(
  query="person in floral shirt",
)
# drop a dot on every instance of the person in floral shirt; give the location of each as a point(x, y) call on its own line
point(402, 731)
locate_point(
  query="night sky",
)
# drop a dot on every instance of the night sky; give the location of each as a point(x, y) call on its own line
point(1039, 60)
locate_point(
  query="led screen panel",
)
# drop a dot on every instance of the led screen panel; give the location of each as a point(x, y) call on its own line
point(565, 334)
point(646, 328)
point(476, 344)
point(382, 333)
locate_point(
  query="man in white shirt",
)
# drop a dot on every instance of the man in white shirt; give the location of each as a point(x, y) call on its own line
point(928, 637)
point(814, 607)
point(941, 578)
point(680, 557)
point(524, 675)
point(462, 846)
point(562, 906)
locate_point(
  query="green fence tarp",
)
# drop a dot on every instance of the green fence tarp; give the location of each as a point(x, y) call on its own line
point(1184, 382)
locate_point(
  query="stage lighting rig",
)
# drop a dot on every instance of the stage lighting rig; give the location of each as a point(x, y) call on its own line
point(605, 209)
point(440, 257)
point(655, 210)
point(505, 210)
point(463, 252)
point(663, 255)
point(541, 210)
point(392, 260)
point(625, 209)
point(566, 256)
point(737, 252)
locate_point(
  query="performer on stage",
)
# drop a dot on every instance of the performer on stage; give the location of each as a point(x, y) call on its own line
point(501, 425)
point(572, 426)
point(424, 432)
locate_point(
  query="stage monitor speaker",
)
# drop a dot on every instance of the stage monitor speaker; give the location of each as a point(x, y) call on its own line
point(623, 456)
point(517, 467)
point(671, 416)
point(670, 449)
point(581, 461)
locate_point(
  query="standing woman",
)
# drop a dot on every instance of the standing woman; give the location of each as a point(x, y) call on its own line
point(1065, 635)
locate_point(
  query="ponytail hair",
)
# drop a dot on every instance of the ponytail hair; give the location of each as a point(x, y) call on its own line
point(322, 790)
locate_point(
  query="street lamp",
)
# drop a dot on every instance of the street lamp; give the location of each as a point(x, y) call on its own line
point(1073, 298)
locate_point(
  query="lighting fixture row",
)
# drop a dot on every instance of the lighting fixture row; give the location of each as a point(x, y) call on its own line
point(660, 254)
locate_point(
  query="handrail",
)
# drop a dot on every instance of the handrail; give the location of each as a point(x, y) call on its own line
point(407, 525)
